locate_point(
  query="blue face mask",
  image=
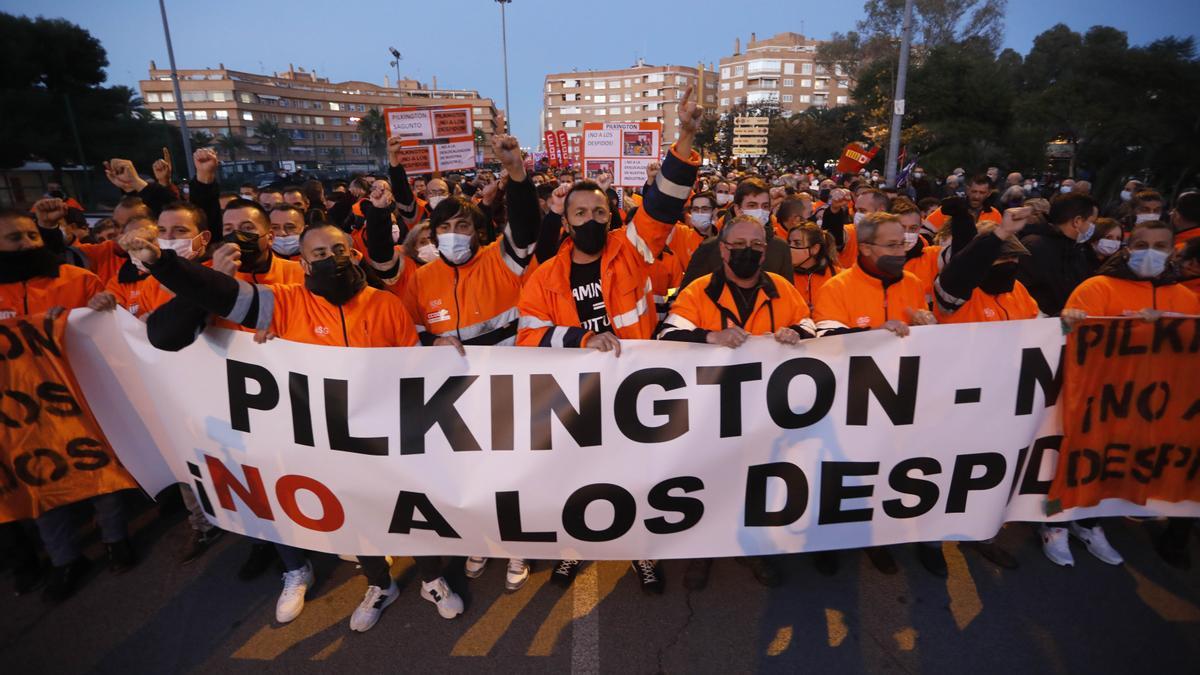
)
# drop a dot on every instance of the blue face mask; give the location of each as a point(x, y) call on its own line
point(1147, 263)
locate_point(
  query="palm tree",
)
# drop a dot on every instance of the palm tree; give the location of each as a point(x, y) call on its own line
point(275, 137)
point(201, 139)
point(372, 130)
point(231, 144)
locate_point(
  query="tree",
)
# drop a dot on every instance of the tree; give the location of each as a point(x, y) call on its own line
point(372, 130)
point(231, 144)
point(706, 135)
point(274, 137)
point(201, 139)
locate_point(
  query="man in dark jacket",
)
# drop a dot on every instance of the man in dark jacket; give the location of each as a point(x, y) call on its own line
point(1057, 261)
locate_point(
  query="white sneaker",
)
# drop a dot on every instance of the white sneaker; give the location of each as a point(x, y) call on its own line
point(369, 610)
point(438, 592)
point(1097, 543)
point(295, 586)
point(1056, 547)
point(474, 566)
point(518, 574)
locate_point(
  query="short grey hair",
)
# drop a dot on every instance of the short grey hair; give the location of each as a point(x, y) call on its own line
point(867, 228)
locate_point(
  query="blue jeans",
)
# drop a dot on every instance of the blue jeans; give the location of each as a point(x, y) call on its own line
point(59, 529)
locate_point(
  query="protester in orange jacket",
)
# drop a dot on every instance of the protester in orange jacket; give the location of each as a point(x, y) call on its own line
point(814, 260)
point(133, 288)
point(596, 290)
point(334, 306)
point(1185, 218)
point(923, 259)
point(33, 281)
point(981, 283)
point(978, 189)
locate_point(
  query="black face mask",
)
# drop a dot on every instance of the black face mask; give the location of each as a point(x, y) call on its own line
point(823, 195)
point(247, 242)
point(336, 278)
point(24, 265)
point(745, 262)
point(999, 278)
point(590, 236)
point(891, 266)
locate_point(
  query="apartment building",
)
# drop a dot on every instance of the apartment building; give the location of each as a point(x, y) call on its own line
point(641, 93)
point(321, 117)
point(780, 70)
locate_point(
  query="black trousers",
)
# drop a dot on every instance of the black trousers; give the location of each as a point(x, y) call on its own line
point(375, 569)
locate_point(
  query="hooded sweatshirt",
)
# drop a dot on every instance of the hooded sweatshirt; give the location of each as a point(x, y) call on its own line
point(1054, 267)
point(1117, 291)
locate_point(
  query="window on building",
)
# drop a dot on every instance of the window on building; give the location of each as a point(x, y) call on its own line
point(478, 124)
point(548, 87)
point(837, 70)
point(822, 83)
point(725, 72)
point(680, 80)
point(334, 106)
point(724, 101)
point(156, 114)
point(764, 66)
point(151, 97)
point(806, 83)
point(656, 77)
point(574, 110)
point(167, 97)
point(601, 99)
point(571, 84)
point(599, 84)
point(319, 135)
point(246, 97)
point(221, 114)
point(724, 86)
point(337, 121)
point(737, 100)
point(822, 70)
point(789, 68)
point(628, 97)
point(739, 84)
point(570, 124)
point(601, 111)
point(248, 116)
point(615, 110)
point(806, 68)
point(843, 84)
point(170, 115)
point(319, 120)
point(615, 84)
point(220, 96)
point(628, 83)
point(739, 70)
point(843, 100)
point(761, 97)
point(787, 98)
point(628, 109)
point(788, 82)
point(805, 98)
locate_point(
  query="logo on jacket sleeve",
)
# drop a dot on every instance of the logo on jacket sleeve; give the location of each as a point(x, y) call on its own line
point(438, 316)
point(863, 321)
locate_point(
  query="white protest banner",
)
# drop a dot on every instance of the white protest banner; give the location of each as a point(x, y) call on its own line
point(623, 149)
point(434, 138)
point(668, 451)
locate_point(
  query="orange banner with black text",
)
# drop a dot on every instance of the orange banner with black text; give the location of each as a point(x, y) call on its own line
point(1131, 413)
point(52, 451)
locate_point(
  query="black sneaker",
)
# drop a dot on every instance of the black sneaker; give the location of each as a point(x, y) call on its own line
point(64, 581)
point(998, 556)
point(121, 557)
point(933, 559)
point(826, 562)
point(882, 559)
point(564, 572)
point(28, 576)
point(650, 575)
point(262, 554)
point(198, 543)
point(696, 577)
point(765, 570)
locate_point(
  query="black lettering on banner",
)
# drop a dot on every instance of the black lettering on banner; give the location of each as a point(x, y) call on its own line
point(1114, 405)
point(1193, 410)
point(1086, 338)
point(88, 449)
point(575, 511)
point(900, 403)
point(1073, 459)
point(241, 401)
point(337, 420)
point(1167, 330)
point(547, 397)
point(729, 379)
point(1145, 401)
point(778, 405)
point(1114, 456)
point(15, 347)
point(29, 477)
point(1142, 467)
point(502, 412)
point(508, 517)
point(417, 416)
point(37, 340)
point(796, 491)
point(962, 482)
point(661, 499)
point(28, 404)
point(1194, 469)
point(926, 491)
point(8, 480)
point(55, 393)
point(1126, 348)
point(302, 428)
point(1018, 474)
point(1036, 371)
point(675, 410)
point(834, 492)
point(1030, 485)
point(404, 516)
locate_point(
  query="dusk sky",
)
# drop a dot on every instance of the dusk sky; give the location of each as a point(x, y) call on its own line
point(459, 42)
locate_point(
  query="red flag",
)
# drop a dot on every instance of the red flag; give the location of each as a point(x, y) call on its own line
point(855, 157)
point(563, 144)
point(552, 148)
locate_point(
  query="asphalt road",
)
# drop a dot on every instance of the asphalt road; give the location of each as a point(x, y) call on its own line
point(1141, 617)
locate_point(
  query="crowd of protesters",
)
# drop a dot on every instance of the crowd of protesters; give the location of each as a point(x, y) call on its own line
point(540, 257)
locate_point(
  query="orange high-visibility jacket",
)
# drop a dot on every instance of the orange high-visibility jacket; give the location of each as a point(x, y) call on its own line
point(1015, 305)
point(855, 299)
point(1109, 296)
point(848, 256)
point(104, 259)
point(373, 318)
point(926, 267)
point(810, 283)
point(140, 297)
point(938, 219)
point(708, 304)
point(281, 272)
point(548, 314)
point(72, 288)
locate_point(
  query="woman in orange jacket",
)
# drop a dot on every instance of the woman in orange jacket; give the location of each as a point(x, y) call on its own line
point(813, 260)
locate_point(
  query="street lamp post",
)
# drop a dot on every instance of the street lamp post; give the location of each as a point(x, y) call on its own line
point(396, 62)
point(898, 104)
point(504, 44)
point(183, 130)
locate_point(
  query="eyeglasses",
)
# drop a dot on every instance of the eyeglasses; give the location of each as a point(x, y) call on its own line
point(898, 246)
point(757, 245)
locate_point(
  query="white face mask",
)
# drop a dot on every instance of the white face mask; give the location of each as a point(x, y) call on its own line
point(1143, 217)
point(1086, 233)
point(701, 221)
point(1107, 247)
point(434, 201)
point(427, 253)
point(395, 233)
point(454, 247)
point(1126, 195)
point(1148, 263)
point(761, 215)
point(1065, 189)
point(723, 199)
point(182, 247)
point(910, 240)
point(287, 244)
point(858, 218)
